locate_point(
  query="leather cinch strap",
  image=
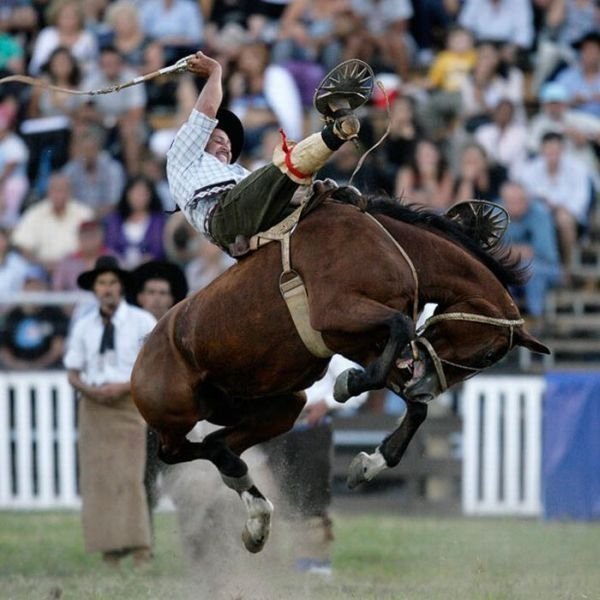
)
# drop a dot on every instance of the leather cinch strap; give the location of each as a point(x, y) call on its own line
point(291, 285)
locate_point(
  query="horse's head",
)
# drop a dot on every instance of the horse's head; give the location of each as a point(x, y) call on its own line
point(460, 342)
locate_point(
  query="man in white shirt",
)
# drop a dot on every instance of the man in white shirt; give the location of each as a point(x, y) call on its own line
point(564, 184)
point(102, 349)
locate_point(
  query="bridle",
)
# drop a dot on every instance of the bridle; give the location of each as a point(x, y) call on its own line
point(439, 362)
point(421, 340)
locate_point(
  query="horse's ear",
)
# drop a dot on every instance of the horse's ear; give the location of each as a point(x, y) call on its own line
point(525, 339)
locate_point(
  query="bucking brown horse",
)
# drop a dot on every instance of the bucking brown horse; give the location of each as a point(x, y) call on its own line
point(231, 355)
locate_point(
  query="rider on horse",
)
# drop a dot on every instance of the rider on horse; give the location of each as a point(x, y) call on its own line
point(222, 199)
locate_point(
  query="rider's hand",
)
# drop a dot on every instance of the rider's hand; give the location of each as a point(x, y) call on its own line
point(203, 65)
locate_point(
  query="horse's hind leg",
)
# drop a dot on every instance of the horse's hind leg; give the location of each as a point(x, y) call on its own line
point(353, 382)
point(266, 418)
point(261, 420)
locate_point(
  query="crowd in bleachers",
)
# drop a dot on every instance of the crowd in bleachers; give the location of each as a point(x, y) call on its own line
point(489, 99)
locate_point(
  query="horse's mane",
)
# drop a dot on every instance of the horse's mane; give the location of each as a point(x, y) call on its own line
point(499, 261)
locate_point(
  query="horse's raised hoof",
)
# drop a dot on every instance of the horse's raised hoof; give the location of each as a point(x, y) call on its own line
point(341, 393)
point(258, 525)
point(357, 470)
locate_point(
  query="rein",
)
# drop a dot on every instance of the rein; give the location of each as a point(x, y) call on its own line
point(439, 362)
point(178, 67)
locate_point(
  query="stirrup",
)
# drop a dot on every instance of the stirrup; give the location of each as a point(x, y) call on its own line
point(346, 87)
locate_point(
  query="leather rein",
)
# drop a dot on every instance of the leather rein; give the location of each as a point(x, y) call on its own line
point(421, 340)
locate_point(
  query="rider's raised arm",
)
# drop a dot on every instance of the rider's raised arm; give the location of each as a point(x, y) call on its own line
point(211, 96)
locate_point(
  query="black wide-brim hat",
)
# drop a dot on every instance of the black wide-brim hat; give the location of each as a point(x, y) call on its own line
point(234, 129)
point(590, 36)
point(104, 264)
point(161, 269)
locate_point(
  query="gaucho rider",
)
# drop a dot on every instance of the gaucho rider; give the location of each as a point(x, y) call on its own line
point(222, 199)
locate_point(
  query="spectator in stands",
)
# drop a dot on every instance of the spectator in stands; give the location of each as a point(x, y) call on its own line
point(477, 178)
point(581, 130)
point(386, 25)
point(176, 24)
point(208, 263)
point(398, 148)
point(583, 79)
point(62, 70)
point(255, 96)
point(67, 29)
point(97, 179)
point(506, 22)
point(308, 33)
point(341, 166)
point(565, 23)
point(505, 138)
point(18, 16)
point(126, 33)
point(158, 285)
point(13, 266)
point(134, 230)
point(33, 335)
point(91, 246)
point(13, 167)
point(427, 179)
point(123, 113)
point(302, 465)
point(47, 231)
point(51, 116)
point(11, 54)
point(431, 20)
point(102, 349)
point(564, 185)
point(490, 81)
point(532, 238)
point(161, 92)
point(445, 80)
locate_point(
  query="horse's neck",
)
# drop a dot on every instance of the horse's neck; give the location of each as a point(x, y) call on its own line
point(447, 274)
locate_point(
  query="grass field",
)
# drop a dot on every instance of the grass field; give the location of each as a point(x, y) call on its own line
point(376, 557)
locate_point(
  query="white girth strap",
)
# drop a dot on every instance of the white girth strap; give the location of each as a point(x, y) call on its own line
point(291, 285)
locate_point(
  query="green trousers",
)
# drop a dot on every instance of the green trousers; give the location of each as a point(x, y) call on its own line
point(255, 204)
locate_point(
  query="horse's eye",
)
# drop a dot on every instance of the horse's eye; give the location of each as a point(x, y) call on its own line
point(490, 357)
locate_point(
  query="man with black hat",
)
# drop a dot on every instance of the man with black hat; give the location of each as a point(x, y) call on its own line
point(101, 351)
point(159, 285)
point(219, 197)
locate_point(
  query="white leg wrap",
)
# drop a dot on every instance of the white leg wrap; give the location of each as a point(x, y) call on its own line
point(375, 463)
point(302, 160)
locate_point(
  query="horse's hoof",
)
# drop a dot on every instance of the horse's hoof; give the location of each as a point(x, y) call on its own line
point(256, 533)
point(340, 388)
point(251, 543)
point(258, 525)
point(357, 470)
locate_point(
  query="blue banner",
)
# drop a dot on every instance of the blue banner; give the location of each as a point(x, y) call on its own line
point(571, 446)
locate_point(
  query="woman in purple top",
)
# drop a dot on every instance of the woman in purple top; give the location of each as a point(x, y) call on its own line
point(134, 230)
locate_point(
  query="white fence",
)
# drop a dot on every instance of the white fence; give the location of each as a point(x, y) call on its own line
point(38, 437)
point(501, 443)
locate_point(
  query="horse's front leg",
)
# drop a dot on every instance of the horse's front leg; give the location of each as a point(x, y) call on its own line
point(365, 466)
point(353, 382)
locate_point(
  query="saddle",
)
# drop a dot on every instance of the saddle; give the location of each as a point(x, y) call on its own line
point(319, 192)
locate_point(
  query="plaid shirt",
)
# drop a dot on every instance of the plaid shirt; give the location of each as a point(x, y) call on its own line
point(196, 178)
